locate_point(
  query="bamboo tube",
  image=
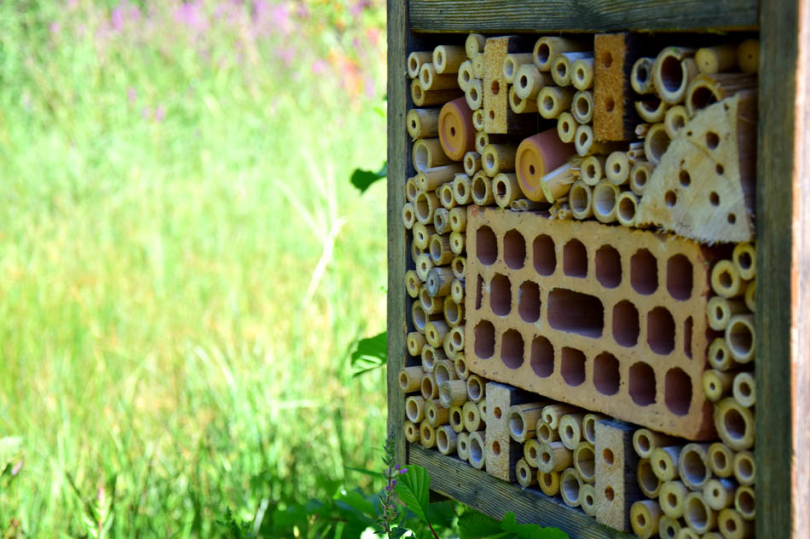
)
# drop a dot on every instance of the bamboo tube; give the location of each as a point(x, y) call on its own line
point(744, 257)
point(641, 77)
point(688, 533)
point(456, 418)
point(435, 331)
point(412, 283)
point(438, 282)
point(497, 158)
point(546, 48)
point(557, 183)
point(554, 100)
point(706, 90)
point(589, 426)
point(626, 208)
point(427, 154)
point(732, 525)
point(411, 432)
point(721, 460)
point(562, 66)
point(452, 392)
point(415, 408)
point(427, 435)
point(411, 190)
point(570, 430)
point(476, 388)
point(441, 220)
point(649, 484)
point(525, 475)
point(482, 408)
point(416, 252)
point(422, 123)
point(529, 81)
point(587, 499)
point(477, 443)
point(664, 461)
point(415, 61)
point(481, 140)
point(458, 219)
point(471, 417)
point(592, 169)
point(482, 190)
point(432, 81)
point(422, 98)
point(582, 77)
point(474, 94)
point(580, 199)
point(617, 168)
point(605, 199)
point(719, 493)
point(524, 204)
point(645, 441)
point(522, 419)
point(570, 486)
point(549, 483)
point(735, 424)
point(719, 355)
point(748, 56)
point(726, 282)
point(697, 513)
point(717, 384)
point(474, 44)
point(554, 457)
point(675, 119)
point(671, 498)
point(585, 462)
point(520, 105)
point(553, 413)
point(717, 59)
point(744, 389)
point(443, 371)
point(536, 157)
point(435, 414)
point(463, 445)
point(461, 366)
point(472, 163)
point(639, 176)
point(745, 502)
point(720, 310)
point(446, 197)
point(582, 106)
point(656, 143)
point(669, 528)
point(635, 152)
point(479, 67)
point(545, 433)
point(712, 535)
point(453, 313)
point(506, 189)
point(449, 348)
point(424, 206)
point(745, 469)
point(462, 192)
point(511, 64)
point(430, 355)
point(644, 518)
point(432, 178)
point(457, 288)
point(566, 127)
point(740, 337)
point(465, 74)
point(430, 304)
point(531, 449)
point(652, 110)
point(415, 342)
point(478, 120)
point(448, 58)
point(585, 145)
point(693, 464)
point(422, 233)
point(428, 387)
point(410, 379)
point(673, 69)
point(440, 253)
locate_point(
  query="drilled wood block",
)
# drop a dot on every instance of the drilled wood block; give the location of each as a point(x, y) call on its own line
point(615, 116)
point(616, 463)
point(502, 453)
point(607, 318)
point(498, 116)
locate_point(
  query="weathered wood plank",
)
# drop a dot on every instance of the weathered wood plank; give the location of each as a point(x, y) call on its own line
point(783, 296)
point(579, 16)
point(457, 480)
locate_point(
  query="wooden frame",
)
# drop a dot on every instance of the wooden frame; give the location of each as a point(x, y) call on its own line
point(783, 232)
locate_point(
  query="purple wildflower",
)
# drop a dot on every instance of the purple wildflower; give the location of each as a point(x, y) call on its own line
point(132, 95)
point(160, 113)
point(318, 67)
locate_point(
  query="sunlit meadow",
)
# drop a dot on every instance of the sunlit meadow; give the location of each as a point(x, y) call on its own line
point(184, 265)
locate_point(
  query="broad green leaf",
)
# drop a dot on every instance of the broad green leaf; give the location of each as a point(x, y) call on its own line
point(413, 488)
point(370, 354)
point(475, 525)
point(363, 179)
point(530, 531)
point(355, 500)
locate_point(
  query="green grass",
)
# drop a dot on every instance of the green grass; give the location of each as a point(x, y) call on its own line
point(164, 325)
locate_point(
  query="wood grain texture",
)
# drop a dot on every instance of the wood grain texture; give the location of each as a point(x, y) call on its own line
point(578, 16)
point(458, 480)
point(783, 298)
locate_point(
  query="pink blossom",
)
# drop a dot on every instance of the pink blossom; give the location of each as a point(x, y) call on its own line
point(191, 14)
point(318, 67)
point(160, 113)
point(132, 95)
point(280, 16)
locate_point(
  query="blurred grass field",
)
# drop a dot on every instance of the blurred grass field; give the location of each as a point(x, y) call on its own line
point(183, 263)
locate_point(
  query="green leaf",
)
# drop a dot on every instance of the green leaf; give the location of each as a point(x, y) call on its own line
point(370, 354)
point(475, 525)
point(363, 179)
point(530, 531)
point(413, 488)
point(355, 500)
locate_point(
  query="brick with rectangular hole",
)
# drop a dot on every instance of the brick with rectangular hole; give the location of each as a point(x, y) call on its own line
point(607, 318)
point(616, 463)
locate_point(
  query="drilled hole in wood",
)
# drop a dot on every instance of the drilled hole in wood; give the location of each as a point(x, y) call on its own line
point(685, 178)
point(642, 384)
point(609, 494)
point(661, 331)
point(607, 59)
point(608, 265)
point(671, 199)
point(542, 357)
point(484, 339)
point(606, 376)
point(609, 104)
point(712, 140)
point(626, 326)
point(575, 259)
point(497, 412)
point(514, 249)
point(544, 255)
point(574, 312)
point(720, 170)
point(714, 199)
point(572, 366)
point(529, 302)
point(732, 218)
point(512, 349)
point(500, 295)
point(496, 448)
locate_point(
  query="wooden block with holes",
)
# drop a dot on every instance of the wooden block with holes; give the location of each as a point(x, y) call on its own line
point(498, 116)
point(616, 463)
point(501, 453)
point(615, 116)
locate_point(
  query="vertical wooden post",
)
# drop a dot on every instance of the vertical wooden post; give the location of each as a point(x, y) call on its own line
point(783, 240)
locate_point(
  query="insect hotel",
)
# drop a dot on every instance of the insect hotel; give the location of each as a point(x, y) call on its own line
point(594, 209)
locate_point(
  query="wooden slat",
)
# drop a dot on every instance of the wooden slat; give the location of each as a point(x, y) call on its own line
point(581, 16)
point(457, 480)
point(783, 297)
